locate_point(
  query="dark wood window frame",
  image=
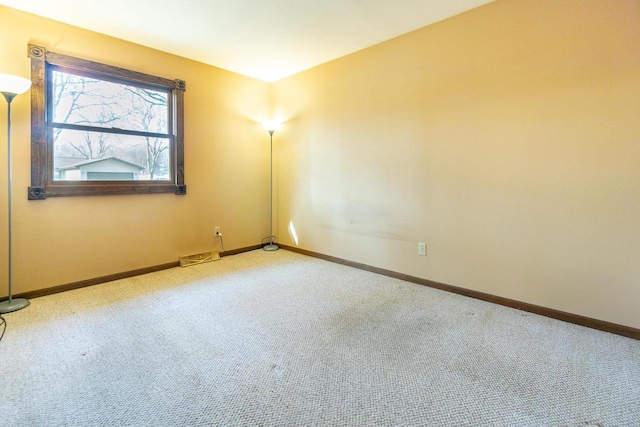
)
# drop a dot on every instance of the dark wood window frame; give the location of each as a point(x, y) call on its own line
point(42, 183)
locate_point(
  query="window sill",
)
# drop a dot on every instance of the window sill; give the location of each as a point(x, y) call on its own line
point(104, 189)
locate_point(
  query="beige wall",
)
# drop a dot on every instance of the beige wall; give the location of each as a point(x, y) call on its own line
point(507, 138)
point(62, 240)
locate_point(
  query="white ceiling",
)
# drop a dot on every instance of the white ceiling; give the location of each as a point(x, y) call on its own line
point(265, 39)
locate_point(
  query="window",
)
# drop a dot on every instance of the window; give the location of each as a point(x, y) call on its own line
point(100, 130)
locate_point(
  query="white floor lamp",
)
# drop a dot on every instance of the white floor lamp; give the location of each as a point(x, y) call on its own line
point(11, 86)
point(271, 127)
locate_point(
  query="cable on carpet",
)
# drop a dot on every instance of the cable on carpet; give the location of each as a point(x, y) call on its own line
point(222, 241)
point(269, 237)
point(4, 323)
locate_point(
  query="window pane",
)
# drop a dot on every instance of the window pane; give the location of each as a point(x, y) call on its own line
point(83, 156)
point(91, 102)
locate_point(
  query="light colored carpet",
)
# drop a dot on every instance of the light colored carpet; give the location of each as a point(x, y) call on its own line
point(280, 339)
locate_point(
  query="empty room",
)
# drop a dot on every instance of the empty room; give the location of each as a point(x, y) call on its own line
point(337, 213)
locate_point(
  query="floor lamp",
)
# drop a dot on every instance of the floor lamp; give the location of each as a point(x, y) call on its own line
point(271, 127)
point(11, 86)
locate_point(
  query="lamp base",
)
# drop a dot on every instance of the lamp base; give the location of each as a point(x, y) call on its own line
point(13, 305)
point(271, 247)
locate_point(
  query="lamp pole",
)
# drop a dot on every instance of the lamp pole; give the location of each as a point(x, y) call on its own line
point(271, 128)
point(11, 86)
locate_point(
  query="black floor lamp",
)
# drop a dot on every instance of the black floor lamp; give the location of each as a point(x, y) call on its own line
point(271, 127)
point(10, 87)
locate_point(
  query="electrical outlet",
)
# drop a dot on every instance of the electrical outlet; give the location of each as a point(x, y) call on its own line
point(217, 231)
point(422, 249)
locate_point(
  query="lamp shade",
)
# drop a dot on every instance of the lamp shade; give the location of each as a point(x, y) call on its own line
point(14, 84)
point(271, 125)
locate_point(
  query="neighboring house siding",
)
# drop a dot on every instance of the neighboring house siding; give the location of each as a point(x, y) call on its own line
point(107, 169)
point(71, 175)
